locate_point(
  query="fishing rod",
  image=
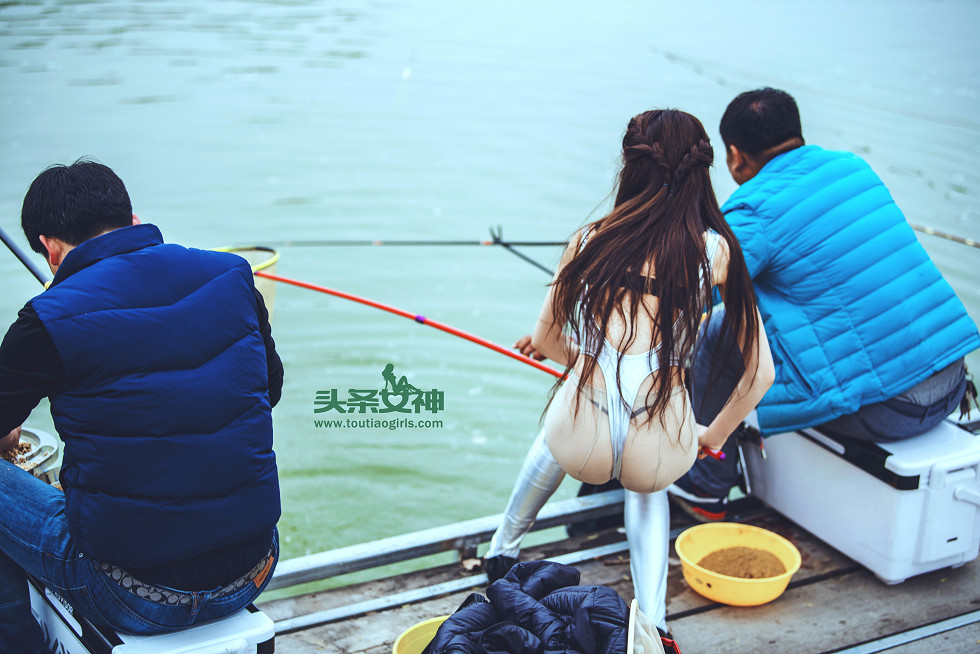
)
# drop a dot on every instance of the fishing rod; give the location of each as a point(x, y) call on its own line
point(28, 263)
point(409, 243)
point(948, 237)
point(498, 239)
point(348, 296)
point(413, 316)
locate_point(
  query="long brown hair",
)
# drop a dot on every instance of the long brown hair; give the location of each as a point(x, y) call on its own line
point(664, 204)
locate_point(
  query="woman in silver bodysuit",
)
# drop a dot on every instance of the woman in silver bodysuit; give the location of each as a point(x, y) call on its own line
point(622, 315)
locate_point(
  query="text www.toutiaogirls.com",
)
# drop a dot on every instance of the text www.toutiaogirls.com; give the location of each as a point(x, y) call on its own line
point(373, 423)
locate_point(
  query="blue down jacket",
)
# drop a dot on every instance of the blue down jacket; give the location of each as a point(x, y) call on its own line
point(537, 608)
point(855, 311)
point(165, 414)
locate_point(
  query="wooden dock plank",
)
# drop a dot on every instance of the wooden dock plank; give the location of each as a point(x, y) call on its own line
point(832, 613)
point(818, 560)
point(831, 603)
point(377, 632)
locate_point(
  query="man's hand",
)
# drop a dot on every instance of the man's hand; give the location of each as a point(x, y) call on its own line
point(10, 441)
point(523, 345)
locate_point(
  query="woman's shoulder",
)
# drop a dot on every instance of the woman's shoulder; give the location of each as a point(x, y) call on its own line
point(575, 244)
point(713, 239)
point(716, 249)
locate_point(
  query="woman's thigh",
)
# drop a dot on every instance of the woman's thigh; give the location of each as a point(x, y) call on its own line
point(658, 451)
point(578, 436)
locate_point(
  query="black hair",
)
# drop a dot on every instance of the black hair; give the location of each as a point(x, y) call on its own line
point(664, 204)
point(758, 120)
point(74, 203)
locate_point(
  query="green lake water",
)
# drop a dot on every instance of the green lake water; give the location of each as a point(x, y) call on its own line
point(258, 123)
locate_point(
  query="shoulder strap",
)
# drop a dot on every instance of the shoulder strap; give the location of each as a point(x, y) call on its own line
point(711, 247)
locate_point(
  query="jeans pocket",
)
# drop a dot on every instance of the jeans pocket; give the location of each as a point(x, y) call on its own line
point(224, 605)
point(110, 608)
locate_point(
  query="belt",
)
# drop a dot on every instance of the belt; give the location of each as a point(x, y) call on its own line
point(920, 412)
point(172, 597)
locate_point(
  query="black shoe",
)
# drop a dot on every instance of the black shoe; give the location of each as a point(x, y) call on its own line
point(497, 567)
point(697, 504)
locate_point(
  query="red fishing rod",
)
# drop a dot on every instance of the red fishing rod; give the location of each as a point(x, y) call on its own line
point(413, 316)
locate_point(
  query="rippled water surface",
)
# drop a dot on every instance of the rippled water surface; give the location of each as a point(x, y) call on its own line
point(259, 122)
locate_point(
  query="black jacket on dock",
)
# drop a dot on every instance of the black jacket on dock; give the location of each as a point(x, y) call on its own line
point(537, 608)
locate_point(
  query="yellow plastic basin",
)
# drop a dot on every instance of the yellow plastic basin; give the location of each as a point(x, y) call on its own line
point(699, 541)
point(414, 640)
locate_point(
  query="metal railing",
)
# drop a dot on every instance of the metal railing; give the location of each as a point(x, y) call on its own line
point(462, 537)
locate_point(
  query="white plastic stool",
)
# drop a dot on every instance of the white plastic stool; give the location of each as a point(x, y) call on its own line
point(246, 632)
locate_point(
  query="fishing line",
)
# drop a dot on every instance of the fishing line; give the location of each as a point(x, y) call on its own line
point(413, 316)
point(708, 68)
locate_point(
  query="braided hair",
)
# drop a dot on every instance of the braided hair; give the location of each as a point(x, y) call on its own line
point(664, 204)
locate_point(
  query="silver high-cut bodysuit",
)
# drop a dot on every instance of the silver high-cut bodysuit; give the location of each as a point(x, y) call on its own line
point(633, 369)
point(646, 515)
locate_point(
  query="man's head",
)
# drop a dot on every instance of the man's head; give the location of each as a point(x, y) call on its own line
point(757, 126)
point(68, 205)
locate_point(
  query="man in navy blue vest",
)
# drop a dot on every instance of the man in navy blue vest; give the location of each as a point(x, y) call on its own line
point(161, 371)
point(867, 337)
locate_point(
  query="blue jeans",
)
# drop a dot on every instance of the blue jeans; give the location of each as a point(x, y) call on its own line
point(885, 421)
point(895, 419)
point(34, 538)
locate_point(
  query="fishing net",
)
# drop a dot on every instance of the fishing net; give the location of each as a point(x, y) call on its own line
point(264, 259)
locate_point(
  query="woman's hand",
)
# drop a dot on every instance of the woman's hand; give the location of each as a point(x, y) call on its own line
point(523, 345)
point(705, 446)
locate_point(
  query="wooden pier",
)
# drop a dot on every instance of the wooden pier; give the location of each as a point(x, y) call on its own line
point(832, 603)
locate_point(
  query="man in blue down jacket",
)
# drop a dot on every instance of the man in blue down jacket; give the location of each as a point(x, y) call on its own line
point(867, 337)
point(161, 371)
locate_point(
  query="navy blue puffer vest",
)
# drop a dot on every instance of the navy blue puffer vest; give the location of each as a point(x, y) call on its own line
point(165, 415)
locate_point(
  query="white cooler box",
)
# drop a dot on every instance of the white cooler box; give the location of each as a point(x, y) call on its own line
point(899, 509)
